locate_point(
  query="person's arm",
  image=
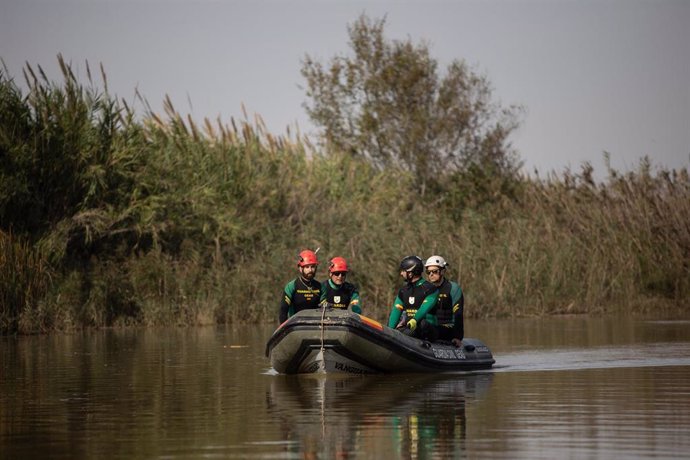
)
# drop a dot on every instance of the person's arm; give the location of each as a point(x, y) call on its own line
point(458, 321)
point(286, 309)
point(427, 305)
point(324, 292)
point(396, 311)
point(455, 293)
point(354, 302)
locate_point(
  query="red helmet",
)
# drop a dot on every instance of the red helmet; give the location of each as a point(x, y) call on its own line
point(338, 264)
point(307, 257)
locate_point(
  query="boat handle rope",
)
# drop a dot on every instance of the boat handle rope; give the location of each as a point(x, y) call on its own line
point(323, 316)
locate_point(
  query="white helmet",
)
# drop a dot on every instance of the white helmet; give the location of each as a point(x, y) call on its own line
point(437, 261)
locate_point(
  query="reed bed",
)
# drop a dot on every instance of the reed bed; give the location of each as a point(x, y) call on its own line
point(108, 219)
point(24, 280)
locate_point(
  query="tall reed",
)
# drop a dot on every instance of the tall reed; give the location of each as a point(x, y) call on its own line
point(25, 278)
point(112, 220)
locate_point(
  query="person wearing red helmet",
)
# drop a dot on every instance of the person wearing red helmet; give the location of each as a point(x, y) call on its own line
point(414, 308)
point(337, 292)
point(304, 292)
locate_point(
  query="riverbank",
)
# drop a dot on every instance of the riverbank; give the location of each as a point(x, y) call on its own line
point(109, 219)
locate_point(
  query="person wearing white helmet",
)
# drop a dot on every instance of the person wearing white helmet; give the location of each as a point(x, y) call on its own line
point(450, 304)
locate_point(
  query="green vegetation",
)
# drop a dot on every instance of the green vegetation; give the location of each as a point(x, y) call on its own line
point(109, 220)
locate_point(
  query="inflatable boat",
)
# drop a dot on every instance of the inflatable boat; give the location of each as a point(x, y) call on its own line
point(336, 341)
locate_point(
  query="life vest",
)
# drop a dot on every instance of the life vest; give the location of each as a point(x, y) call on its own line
point(413, 295)
point(444, 304)
point(306, 296)
point(340, 296)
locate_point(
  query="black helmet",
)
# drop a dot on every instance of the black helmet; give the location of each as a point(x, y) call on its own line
point(412, 264)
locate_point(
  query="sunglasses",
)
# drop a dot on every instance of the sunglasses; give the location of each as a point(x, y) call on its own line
point(433, 272)
point(339, 273)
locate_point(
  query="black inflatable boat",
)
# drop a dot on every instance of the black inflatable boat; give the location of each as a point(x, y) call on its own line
point(336, 341)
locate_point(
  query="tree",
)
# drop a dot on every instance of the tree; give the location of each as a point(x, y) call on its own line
point(388, 103)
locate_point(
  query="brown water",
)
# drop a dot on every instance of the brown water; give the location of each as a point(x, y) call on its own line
point(561, 388)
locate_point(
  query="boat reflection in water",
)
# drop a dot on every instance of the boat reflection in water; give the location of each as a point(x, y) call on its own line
point(381, 416)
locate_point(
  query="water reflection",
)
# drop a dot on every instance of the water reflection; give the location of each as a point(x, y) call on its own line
point(127, 393)
point(409, 416)
point(600, 388)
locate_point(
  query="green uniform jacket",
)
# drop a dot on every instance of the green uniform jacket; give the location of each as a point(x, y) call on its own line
point(299, 295)
point(343, 296)
point(450, 306)
point(418, 300)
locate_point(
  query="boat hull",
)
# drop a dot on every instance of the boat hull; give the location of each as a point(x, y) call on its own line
point(335, 341)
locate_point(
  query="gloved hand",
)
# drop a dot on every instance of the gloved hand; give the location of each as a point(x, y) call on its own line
point(412, 324)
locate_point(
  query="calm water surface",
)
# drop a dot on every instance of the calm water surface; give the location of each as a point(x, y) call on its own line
point(561, 388)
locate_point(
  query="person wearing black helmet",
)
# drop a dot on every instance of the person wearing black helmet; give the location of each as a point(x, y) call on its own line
point(416, 302)
point(451, 301)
